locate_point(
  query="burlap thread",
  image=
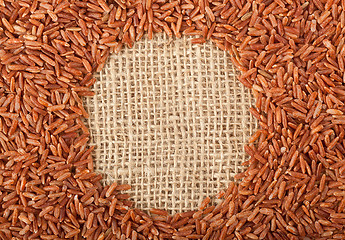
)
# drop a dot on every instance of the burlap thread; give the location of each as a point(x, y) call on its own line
point(170, 119)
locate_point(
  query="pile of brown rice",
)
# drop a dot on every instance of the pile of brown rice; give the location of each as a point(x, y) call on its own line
point(291, 54)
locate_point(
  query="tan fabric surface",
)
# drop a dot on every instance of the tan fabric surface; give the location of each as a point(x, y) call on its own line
point(171, 120)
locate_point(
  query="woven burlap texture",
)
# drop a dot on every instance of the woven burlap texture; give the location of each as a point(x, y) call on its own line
point(170, 119)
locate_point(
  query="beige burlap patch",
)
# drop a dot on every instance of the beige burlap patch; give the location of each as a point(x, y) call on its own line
point(170, 119)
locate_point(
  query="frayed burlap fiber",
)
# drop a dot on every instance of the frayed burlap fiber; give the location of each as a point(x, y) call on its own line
point(170, 119)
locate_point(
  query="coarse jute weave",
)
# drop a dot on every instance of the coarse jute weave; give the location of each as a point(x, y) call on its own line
point(171, 119)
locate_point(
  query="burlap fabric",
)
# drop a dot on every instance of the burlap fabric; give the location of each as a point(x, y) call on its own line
point(171, 119)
